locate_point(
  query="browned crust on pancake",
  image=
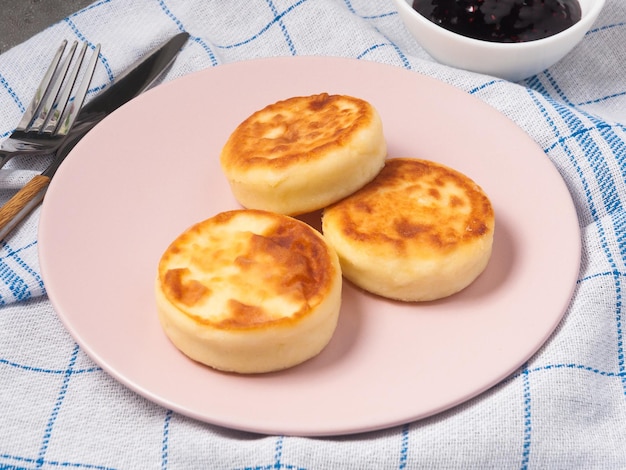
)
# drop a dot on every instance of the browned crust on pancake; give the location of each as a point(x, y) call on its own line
point(296, 130)
point(288, 259)
point(408, 210)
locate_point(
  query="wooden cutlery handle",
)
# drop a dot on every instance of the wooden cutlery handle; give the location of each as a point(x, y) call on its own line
point(20, 205)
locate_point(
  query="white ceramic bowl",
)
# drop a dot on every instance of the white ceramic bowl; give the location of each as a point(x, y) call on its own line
point(511, 61)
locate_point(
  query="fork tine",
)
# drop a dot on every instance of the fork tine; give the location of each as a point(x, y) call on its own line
point(64, 97)
point(42, 90)
point(72, 108)
point(47, 105)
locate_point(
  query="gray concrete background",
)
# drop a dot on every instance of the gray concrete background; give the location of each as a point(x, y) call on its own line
point(21, 19)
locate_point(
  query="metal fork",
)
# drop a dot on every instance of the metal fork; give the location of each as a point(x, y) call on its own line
point(52, 111)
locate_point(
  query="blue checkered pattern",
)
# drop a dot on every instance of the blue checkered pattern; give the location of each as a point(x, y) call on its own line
point(565, 408)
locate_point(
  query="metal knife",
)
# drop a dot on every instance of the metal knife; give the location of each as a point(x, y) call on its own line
point(139, 78)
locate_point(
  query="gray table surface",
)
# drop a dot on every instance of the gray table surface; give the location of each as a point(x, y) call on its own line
point(21, 19)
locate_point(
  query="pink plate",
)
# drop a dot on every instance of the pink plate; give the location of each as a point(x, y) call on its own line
point(151, 169)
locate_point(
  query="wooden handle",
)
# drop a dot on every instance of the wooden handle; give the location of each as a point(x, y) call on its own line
point(22, 203)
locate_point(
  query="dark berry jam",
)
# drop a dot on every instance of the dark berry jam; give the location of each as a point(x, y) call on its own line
point(501, 20)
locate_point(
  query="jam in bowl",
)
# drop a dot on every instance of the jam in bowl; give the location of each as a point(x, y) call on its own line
point(501, 20)
point(501, 38)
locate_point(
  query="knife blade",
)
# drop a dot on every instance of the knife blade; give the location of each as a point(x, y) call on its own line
point(135, 81)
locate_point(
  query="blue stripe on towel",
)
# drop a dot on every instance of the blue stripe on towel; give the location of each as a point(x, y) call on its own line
point(57, 407)
point(609, 200)
point(16, 99)
point(278, 16)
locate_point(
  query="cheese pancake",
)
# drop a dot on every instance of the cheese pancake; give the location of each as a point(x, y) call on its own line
point(249, 291)
point(304, 153)
point(419, 231)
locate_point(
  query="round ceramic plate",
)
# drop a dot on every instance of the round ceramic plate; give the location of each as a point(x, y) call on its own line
point(151, 169)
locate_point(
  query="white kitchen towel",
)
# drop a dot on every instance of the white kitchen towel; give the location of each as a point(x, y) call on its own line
point(564, 409)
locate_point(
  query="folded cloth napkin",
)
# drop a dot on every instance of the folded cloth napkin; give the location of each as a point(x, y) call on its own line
point(565, 408)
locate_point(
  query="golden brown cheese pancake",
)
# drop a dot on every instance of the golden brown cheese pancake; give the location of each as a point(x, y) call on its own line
point(304, 153)
point(249, 291)
point(419, 231)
